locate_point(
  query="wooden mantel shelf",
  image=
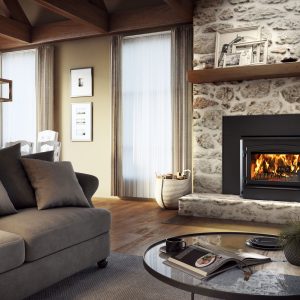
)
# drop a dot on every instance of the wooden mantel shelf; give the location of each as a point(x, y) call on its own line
point(245, 73)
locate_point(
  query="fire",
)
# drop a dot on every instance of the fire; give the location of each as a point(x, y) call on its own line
point(274, 166)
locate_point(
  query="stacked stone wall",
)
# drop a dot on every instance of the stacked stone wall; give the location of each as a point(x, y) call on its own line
point(280, 21)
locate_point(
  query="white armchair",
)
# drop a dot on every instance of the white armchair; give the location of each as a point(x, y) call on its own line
point(47, 141)
point(47, 135)
point(48, 146)
point(26, 147)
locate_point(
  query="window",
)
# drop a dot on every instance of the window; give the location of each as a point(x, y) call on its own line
point(19, 116)
point(146, 112)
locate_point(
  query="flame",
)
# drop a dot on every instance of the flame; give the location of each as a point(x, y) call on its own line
point(274, 166)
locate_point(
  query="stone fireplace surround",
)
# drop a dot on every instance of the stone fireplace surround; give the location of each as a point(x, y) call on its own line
point(230, 205)
point(280, 23)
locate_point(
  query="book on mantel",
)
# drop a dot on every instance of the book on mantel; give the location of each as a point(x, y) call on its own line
point(208, 262)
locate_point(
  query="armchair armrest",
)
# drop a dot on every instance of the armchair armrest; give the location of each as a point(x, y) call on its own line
point(89, 185)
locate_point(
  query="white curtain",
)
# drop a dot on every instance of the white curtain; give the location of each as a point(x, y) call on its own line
point(146, 112)
point(19, 116)
point(45, 87)
point(182, 61)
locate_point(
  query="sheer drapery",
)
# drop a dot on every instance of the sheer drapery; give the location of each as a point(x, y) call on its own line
point(116, 54)
point(182, 61)
point(177, 118)
point(19, 116)
point(45, 87)
point(146, 112)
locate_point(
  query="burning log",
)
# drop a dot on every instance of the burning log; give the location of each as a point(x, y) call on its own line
point(275, 166)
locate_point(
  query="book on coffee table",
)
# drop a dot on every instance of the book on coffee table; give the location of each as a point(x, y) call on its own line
point(207, 262)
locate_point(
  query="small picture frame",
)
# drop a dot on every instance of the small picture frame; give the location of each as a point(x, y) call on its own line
point(82, 82)
point(81, 122)
point(232, 59)
point(227, 38)
point(252, 53)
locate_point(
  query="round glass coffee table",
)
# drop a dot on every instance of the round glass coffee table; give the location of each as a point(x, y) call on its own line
point(275, 280)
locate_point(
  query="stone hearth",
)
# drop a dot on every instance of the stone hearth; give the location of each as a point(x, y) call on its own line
point(233, 207)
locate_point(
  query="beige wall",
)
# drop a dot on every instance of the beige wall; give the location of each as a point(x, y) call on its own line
point(89, 157)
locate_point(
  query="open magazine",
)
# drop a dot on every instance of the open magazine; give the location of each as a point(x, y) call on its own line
point(207, 262)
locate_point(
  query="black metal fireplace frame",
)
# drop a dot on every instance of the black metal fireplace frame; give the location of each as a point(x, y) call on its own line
point(236, 128)
point(267, 189)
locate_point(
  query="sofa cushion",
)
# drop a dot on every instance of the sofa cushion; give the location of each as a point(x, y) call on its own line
point(14, 178)
point(12, 250)
point(55, 184)
point(47, 155)
point(52, 230)
point(6, 207)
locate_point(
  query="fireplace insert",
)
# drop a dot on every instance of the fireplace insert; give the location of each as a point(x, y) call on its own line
point(270, 168)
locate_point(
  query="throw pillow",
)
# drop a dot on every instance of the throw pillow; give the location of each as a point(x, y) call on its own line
point(55, 184)
point(6, 207)
point(47, 155)
point(14, 178)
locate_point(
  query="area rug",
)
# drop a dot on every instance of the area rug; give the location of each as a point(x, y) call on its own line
point(124, 278)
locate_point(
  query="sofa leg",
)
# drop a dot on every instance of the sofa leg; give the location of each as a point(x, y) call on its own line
point(102, 263)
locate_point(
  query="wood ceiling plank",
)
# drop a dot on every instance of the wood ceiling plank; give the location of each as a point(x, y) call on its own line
point(80, 11)
point(14, 30)
point(100, 4)
point(145, 18)
point(3, 9)
point(183, 8)
point(16, 11)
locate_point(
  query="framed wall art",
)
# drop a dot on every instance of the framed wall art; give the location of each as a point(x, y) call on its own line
point(82, 82)
point(82, 122)
point(227, 39)
point(5, 90)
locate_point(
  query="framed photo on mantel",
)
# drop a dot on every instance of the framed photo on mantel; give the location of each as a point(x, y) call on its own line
point(239, 46)
point(82, 82)
point(81, 122)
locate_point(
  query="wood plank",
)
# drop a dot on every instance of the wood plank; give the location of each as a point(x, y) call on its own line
point(182, 8)
point(80, 11)
point(16, 11)
point(4, 10)
point(8, 43)
point(60, 31)
point(14, 30)
point(100, 4)
point(245, 73)
point(138, 224)
point(145, 18)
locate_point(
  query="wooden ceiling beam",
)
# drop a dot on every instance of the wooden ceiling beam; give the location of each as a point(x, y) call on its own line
point(124, 21)
point(145, 18)
point(16, 11)
point(183, 8)
point(14, 30)
point(62, 30)
point(80, 11)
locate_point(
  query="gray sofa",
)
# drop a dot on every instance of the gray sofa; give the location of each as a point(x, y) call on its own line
point(41, 247)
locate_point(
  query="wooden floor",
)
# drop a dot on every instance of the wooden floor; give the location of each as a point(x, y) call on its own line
point(138, 224)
